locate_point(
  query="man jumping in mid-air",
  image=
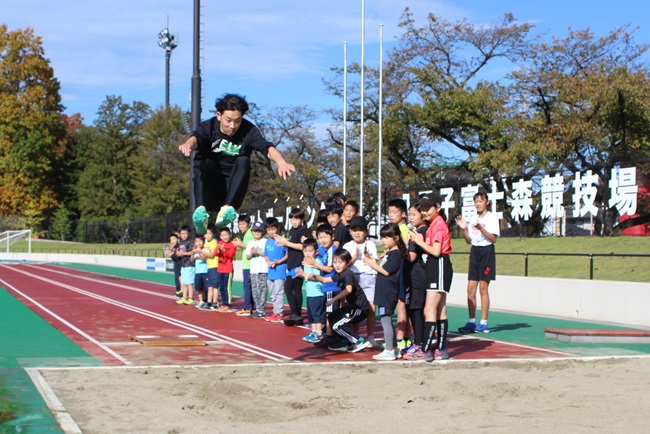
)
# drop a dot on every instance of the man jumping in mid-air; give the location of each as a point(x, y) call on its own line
point(222, 165)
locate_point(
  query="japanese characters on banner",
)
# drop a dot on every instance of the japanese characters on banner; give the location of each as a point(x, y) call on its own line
point(622, 192)
point(622, 187)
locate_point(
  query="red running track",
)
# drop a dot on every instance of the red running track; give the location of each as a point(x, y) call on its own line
point(100, 312)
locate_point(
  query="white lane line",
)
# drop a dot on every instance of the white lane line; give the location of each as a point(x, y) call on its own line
point(173, 321)
point(67, 323)
point(109, 283)
point(481, 338)
point(117, 285)
point(65, 420)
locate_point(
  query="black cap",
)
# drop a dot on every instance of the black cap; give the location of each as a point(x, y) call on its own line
point(359, 222)
point(429, 200)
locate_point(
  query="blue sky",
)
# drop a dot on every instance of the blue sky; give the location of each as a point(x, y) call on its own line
point(275, 52)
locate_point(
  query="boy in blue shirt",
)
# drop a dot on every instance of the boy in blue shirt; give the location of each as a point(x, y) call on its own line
point(323, 263)
point(276, 258)
point(314, 292)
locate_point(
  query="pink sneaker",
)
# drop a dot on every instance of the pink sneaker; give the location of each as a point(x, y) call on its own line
point(417, 355)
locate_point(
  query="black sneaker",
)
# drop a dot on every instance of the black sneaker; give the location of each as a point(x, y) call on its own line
point(341, 345)
point(361, 344)
point(293, 320)
point(325, 342)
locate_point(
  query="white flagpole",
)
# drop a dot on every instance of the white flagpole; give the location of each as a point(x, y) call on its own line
point(345, 115)
point(362, 141)
point(381, 115)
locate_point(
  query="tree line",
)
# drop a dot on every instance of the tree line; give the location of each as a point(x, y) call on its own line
point(461, 103)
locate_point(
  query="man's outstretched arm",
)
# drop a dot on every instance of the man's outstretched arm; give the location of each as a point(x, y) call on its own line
point(284, 169)
point(189, 145)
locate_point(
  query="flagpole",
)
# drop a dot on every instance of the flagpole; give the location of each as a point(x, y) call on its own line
point(381, 115)
point(362, 141)
point(345, 115)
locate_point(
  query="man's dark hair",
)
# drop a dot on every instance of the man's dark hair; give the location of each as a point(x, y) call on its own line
point(231, 101)
point(185, 228)
point(224, 229)
point(244, 218)
point(212, 228)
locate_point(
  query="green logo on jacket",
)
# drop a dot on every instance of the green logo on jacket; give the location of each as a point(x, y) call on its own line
point(225, 147)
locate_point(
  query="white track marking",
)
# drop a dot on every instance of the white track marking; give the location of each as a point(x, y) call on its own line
point(117, 285)
point(481, 338)
point(178, 323)
point(68, 324)
point(109, 283)
point(65, 420)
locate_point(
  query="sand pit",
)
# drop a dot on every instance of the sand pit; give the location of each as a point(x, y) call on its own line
point(609, 395)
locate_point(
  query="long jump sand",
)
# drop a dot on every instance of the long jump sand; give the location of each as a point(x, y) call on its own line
point(609, 395)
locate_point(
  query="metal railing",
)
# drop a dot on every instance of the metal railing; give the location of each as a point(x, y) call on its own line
point(148, 252)
point(158, 253)
point(591, 257)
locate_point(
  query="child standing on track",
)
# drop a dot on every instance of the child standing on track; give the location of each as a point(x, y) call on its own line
point(174, 244)
point(359, 248)
point(314, 292)
point(323, 263)
point(387, 286)
point(356, 309)
point(438, 276)
point(210, 257)
point(276, 259)
point(397, 214)
point(415, 284)
point(259, 269)
point(226, 253)
point(482, 232)
point(187, 267)
point(293, 282)
point(200, 272)
point(244, 225)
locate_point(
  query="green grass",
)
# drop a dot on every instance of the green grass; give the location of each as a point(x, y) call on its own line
point(629, 269)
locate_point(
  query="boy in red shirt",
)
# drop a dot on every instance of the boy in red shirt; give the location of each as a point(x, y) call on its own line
point(226, 253)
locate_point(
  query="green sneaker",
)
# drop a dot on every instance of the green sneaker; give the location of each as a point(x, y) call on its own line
point(227, 215)
point(200, 219)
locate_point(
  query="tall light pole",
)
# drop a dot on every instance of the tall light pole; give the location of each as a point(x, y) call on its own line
point(345, 115)
point(381, 115)
point(362, 142)
point(166, 42)
point(196, 91)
